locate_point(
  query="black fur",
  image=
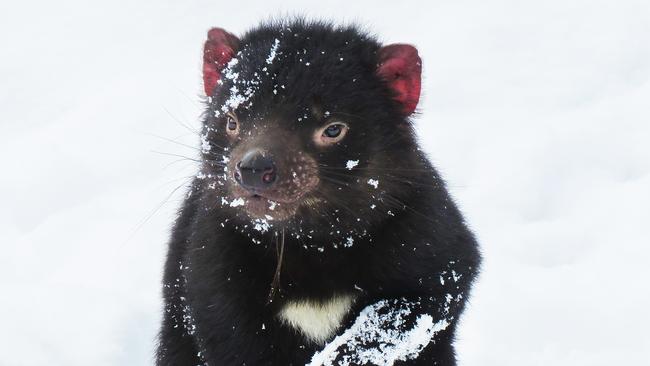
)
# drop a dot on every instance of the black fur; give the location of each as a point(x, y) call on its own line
point(409, 241)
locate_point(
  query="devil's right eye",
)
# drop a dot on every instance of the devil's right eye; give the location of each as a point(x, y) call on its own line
point(232, 125)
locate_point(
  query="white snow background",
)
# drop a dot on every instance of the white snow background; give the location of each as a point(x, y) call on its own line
point(536, 112)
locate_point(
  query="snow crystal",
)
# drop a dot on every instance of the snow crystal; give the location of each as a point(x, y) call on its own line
point(235, 100)
point(205, 144)
point(188, 321)
point(373, 182)
point(455, 275)
point(261, 225)
point(351, 164)
point(237, 202)
point(273, 52)
point(186, 314)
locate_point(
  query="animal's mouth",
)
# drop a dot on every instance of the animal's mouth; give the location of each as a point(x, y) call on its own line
point(259, 206)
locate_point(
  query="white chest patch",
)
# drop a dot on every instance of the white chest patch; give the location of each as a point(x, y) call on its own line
point(317, 320)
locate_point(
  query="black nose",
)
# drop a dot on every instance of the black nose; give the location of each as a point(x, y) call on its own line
point(255, 171)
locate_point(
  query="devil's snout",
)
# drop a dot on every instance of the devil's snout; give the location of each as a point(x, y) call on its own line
point(256, 171)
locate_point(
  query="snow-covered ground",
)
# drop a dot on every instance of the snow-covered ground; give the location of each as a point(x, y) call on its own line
point(536, 112)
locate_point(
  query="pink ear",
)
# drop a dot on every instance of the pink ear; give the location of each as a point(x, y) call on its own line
point(219, 49)
point(401, 67)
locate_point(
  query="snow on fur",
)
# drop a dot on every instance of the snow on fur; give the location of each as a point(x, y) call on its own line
point(381, 322)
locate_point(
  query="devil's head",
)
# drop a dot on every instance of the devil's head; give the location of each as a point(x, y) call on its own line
point(307, 129)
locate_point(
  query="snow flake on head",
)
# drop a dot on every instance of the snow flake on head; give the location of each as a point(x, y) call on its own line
point(242, 90)
point(237, 96)
point(236, 99)
point(228, 70)
point(273, 51)
point(237, 202)
point(351, 164)
point(373, 182)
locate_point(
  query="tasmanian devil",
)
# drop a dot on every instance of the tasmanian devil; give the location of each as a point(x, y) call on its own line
point(316, 231)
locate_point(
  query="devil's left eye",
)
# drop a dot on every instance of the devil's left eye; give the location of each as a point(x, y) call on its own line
point(333, 131)
point(330, 134)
